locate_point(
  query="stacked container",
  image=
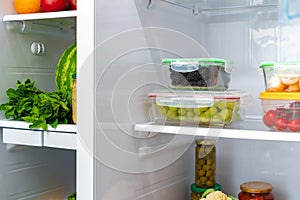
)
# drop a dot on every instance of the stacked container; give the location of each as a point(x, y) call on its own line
point(281, 98)
point(198, 94)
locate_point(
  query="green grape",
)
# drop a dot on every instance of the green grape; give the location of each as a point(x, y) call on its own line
point(171, 114)
point(181, 111)
point(197, 111)
point(216, 119)
point(190, 114)
point(212, 110)
point(161, 110)
point(182, 118)
point(173, 108)
point(225, 114)
point(202, 109)
point(222, 104)
point(231, 105)
point(204, 118)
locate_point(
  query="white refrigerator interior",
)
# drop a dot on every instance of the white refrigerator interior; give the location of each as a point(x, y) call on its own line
point(132, 37)
point(113, 153)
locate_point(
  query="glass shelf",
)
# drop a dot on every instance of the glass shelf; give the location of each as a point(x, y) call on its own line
point(246, 130)
point(220, 7)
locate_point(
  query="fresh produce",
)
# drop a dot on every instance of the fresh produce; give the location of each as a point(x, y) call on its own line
point(223, 112)
point(66, 67)
point(72, 4)
point(72, 196)
point(27, 6)
point(53, 5)
point(211, 194)
point(286, 117)
point(39, 108)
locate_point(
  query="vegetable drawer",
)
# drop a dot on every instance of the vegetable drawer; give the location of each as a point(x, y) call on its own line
point(60, 140)
point(23, 137)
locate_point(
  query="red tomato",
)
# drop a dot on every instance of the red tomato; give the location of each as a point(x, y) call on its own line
point(53, 5)
point(72, 4)
point(281, 123)
point(269, 118)
point(294, 125)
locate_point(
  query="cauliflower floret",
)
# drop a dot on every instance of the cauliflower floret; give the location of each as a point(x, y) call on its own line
point(217, 195)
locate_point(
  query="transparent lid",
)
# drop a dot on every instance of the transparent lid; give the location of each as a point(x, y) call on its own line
point(193, 64)
point(192, 99)
point(282, 68)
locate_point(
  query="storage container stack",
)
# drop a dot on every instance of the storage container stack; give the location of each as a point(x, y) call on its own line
point(281, 98)
point(199, 95)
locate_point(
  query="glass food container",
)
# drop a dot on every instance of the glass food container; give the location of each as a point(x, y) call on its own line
point(197, 192)
point(198, 108)
point(256, 190)
point(74, 99)
point(281, 76)
point(198, 73)
point(281, 110)
point(205, 163)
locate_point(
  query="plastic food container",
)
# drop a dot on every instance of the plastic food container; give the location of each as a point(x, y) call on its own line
point(281, 110)
point(197, 192)
point(281, 76)
point(198, 73)
point(256, 190)
point(200, 108)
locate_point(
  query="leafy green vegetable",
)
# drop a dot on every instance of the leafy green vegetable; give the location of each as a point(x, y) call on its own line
point(28, 103)
point(72, 196)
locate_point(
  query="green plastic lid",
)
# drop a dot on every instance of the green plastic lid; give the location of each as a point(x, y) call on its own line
point(221, 62)
point(194, 188)
point(272, 64)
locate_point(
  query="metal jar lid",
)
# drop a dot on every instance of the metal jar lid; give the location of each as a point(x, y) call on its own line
point(256, 187)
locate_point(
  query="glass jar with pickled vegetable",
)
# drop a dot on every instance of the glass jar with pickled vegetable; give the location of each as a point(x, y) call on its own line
point(197, 192)
point(74, 99)
point(256, 190)
point(205, 163)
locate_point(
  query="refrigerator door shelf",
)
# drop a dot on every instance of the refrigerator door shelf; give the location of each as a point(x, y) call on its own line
point(23, 137)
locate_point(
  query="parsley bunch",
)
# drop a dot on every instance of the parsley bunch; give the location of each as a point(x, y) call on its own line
point(39, 108)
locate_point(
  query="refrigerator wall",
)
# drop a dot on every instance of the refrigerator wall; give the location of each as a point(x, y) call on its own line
point(32, 172)
point(131, 40)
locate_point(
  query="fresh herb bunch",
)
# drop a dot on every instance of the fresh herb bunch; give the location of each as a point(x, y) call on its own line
point(72, 196)
point(28, 103)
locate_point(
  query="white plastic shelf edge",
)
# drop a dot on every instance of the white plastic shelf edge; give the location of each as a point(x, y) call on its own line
point(37, 16)
point(233, 133)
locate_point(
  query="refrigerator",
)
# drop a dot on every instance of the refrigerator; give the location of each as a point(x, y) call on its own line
point(115, 151)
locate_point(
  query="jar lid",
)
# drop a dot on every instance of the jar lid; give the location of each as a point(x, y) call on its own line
point(280, 95)
point(194, 188)
point(256, 187)
point(205, 142)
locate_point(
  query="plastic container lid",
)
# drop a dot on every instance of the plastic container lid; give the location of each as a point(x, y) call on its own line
point(256, 187)
point(191, 99)
point(283, 68)
point(192, 64)
point(280, 95)
point(194, 188)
